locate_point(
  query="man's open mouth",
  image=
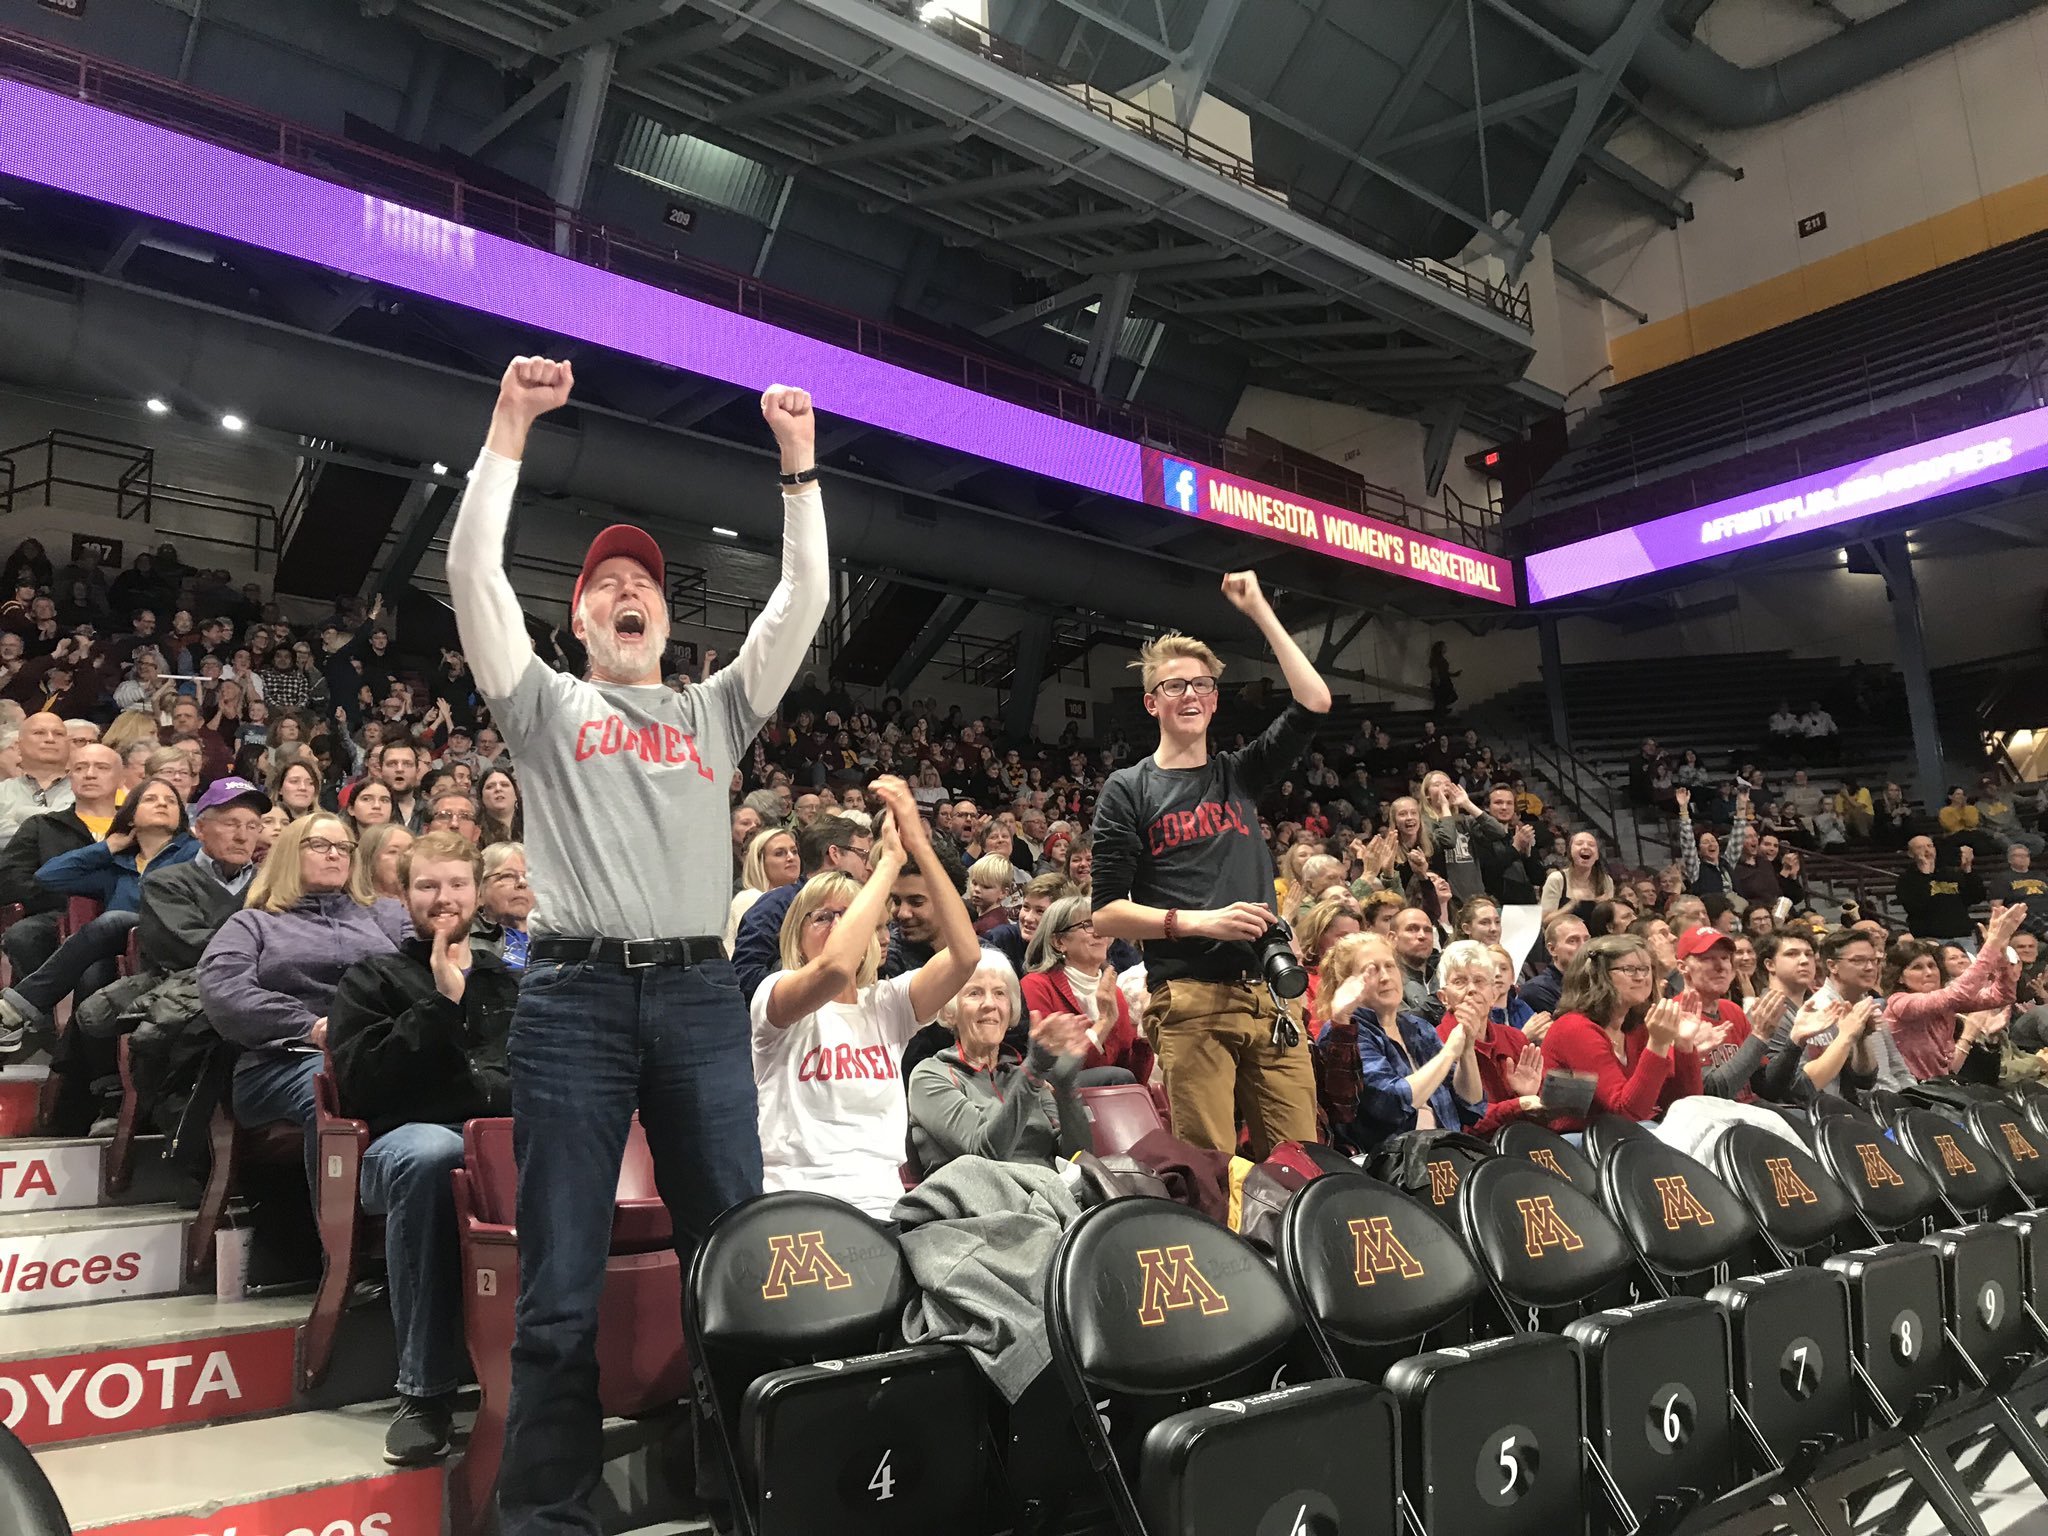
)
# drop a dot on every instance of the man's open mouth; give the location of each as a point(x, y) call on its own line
point(630, 624)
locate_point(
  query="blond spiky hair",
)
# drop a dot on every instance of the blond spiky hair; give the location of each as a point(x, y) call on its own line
point(1173, 646)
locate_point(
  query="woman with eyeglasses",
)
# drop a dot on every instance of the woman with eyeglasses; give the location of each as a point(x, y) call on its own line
point(505, 902)
point(1070, 973)
point(268, 976)
point(378, 851)
point(829, 1036)
point(1613, 1029)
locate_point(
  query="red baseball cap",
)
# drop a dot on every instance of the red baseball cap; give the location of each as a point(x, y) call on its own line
point(1697, 941)
point(621, 539)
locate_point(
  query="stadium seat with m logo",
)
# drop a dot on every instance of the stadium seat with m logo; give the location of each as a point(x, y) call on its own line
point(1171, 1334)
point(795, 1304)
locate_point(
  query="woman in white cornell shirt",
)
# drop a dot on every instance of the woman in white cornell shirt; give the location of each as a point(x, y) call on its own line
point(829, 1037)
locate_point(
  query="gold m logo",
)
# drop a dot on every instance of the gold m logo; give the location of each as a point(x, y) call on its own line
point(1172, 1283)
point(801, 1259)
point(1443, 1183)
point(2015, 1139)
point(1786, 1183)
point(1952, 1157)
point(1543, 1228)
point(1680, 1204)
point(1543, 1157)
point(1376, 1251)
point(1876, 1170)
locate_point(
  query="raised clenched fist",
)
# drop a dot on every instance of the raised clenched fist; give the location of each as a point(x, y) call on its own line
point(533, 386)
point(789, 416)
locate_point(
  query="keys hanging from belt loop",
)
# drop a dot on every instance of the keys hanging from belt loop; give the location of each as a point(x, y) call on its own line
point(1286, 1035)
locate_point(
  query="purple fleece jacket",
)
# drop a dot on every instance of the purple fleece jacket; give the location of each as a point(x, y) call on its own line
point(267, 977)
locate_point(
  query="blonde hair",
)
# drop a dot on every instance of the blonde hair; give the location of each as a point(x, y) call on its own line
point(754, 867)
point(1345, 959)
point(993, 871)
point(129, 727)
point(1317, 917)
point(1173, 646)
point(810, 896)
point(369, 844)
point(278, 886)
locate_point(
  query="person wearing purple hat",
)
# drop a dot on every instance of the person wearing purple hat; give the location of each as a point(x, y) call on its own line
point(628, 1000)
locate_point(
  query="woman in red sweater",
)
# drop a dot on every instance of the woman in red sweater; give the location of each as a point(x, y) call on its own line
point(1069, 973)
point(1608, 1030)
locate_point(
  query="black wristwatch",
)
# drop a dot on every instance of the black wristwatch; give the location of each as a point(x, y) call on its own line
point(801, 477)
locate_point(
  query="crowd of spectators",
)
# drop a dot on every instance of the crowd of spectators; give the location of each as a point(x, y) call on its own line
point(311, 840)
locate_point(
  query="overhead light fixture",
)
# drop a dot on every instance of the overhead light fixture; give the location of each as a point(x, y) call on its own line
point(932, 10)
point(726, 533)
point(156, 405)
point(230, 422)
point(440, 468)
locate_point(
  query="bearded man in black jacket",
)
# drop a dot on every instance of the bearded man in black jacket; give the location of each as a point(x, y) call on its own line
point(418, 1044)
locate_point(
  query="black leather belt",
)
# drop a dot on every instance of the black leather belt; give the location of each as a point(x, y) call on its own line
point(633, 954)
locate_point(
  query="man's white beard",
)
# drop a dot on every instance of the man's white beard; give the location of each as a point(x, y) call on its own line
point(607, 656)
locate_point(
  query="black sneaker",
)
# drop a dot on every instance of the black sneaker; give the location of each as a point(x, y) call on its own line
point(419, 1432)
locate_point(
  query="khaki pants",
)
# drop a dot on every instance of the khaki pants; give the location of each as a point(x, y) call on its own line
point(1215, 1045)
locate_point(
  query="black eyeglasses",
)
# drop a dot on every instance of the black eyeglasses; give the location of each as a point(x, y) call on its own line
point(1178, 687)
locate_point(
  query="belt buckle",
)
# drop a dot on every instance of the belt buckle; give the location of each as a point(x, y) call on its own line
point(626, 955)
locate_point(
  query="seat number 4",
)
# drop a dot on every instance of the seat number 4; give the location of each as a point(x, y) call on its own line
point(883, 1484)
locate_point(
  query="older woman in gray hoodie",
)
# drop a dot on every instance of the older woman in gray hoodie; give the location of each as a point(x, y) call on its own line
point(978, 1099)
point(268, 975)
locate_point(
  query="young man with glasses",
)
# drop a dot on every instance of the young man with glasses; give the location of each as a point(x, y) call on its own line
point(1851, 1049)
point(628, 1002)
point(1181, 868)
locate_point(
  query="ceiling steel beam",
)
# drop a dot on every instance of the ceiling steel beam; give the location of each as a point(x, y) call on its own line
point(803, 94)
point(1595, 87)
point(1188, 75)
point(909, 141)
point(1092, 222)
point(1459, 124)
point(1255, 303)
point(517, 113)
point(605, 26)
point(1157, 47)
point(1036, 179)
point(1323, 330)
point(675, 45)
point(1672, 209)
point(1042, 310)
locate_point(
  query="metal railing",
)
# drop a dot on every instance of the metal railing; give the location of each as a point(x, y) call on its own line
point(1585, 791)
point(1134, 117)
point(67, 458)
point(218, 120)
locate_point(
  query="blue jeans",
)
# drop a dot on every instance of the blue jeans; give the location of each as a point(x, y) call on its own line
point(405, 1180)
point(271, 1085)
point(83, 963)
point(590, 1044)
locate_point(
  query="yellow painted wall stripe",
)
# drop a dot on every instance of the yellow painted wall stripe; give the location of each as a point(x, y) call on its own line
point(1948, 237)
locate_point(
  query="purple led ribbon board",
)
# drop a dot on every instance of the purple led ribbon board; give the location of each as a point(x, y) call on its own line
point(95, 153)
point(1998, 450)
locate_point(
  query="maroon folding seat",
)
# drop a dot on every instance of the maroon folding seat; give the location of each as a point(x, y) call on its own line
point(1120, 1116)
point(349, 1235)
point(642, 1363)
point(233, 1146)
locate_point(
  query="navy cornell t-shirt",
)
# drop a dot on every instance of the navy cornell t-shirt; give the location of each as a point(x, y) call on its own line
point(1189, 838)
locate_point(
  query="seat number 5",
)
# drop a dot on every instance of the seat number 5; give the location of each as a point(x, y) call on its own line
point(1511, 1469)
point(883, 1484)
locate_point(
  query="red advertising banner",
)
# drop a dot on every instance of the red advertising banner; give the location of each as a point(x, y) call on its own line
point(125, 1391)
point(1195, 490)
point(401, 1504)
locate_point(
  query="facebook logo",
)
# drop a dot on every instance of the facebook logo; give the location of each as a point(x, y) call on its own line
point(1178, 481)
